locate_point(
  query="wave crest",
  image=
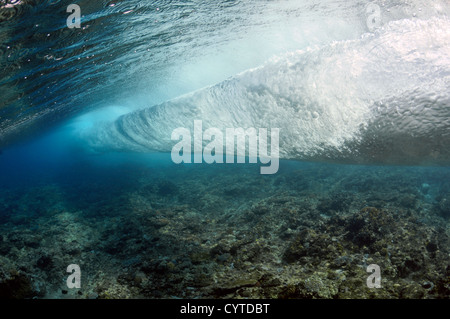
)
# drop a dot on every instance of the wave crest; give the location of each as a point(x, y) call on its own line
point(384, 98)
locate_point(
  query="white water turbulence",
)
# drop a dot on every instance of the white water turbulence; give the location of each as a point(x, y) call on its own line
point(382, 98)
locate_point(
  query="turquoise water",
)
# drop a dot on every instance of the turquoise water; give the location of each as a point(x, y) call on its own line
point(87, 176)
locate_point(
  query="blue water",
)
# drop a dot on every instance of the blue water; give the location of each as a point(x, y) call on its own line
point(87, 177)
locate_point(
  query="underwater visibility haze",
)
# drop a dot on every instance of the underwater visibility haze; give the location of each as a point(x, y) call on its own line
point(358, 91)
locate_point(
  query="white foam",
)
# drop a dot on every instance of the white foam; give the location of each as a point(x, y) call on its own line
point(330, 103)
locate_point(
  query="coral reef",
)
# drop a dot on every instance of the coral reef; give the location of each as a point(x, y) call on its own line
point(227, 232)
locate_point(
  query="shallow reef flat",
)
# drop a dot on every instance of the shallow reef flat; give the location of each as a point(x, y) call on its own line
point(310, 231)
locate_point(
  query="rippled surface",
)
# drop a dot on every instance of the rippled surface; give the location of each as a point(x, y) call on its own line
point(141, 53)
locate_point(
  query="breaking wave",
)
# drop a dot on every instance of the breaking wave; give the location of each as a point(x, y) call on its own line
point(383, 98)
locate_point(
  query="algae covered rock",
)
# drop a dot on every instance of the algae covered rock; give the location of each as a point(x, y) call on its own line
point(308, 243)
point(368, 226)
point(15, 285)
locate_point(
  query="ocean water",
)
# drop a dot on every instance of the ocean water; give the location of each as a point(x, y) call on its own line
point(350, 106)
